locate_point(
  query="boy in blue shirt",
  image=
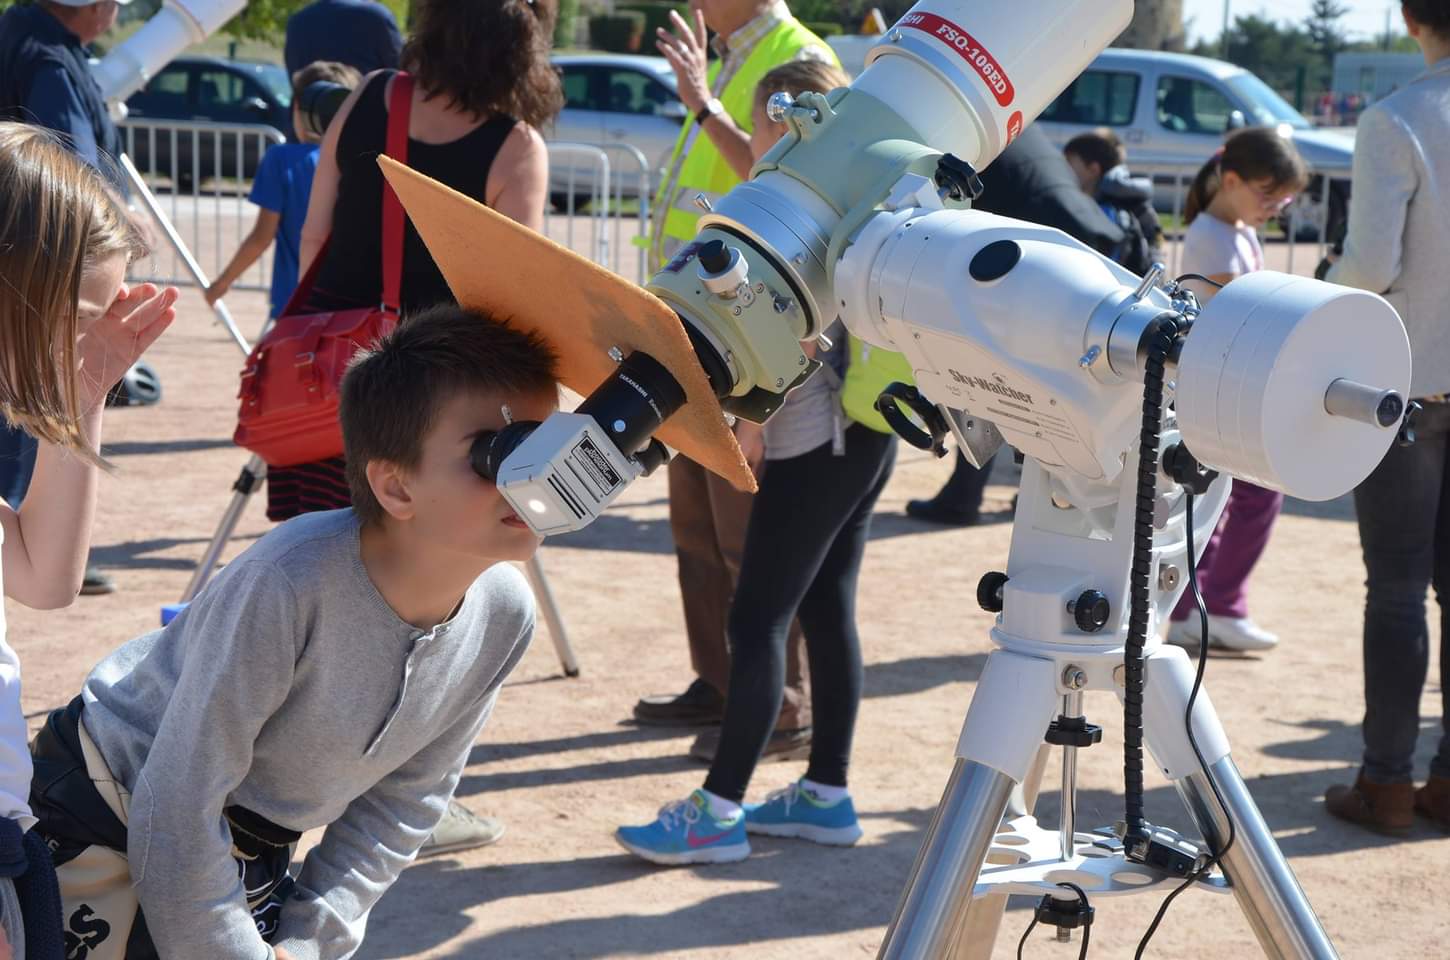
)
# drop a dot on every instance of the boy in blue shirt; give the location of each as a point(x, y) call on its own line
point(281, 189)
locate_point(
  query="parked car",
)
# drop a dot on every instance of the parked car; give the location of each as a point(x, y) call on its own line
point(201, 90)
point(1172, 111)
point(612, 99)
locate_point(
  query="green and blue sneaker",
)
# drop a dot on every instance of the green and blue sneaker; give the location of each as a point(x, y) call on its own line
point(797, 812)
point(685, 832)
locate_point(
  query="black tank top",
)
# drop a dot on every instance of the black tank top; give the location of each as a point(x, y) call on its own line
point(351, 273)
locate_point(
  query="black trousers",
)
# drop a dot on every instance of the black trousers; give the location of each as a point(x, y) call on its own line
point(803, 550)
point(1404, 527)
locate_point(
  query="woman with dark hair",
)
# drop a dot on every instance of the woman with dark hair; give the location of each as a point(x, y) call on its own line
point(1398, 245)
point(483, 86)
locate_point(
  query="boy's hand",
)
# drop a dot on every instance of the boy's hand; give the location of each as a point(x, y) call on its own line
point(114, 342)
point(278, 951)
point(5, 952)
point(215, 292)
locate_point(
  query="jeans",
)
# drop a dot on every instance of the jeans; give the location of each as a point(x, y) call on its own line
point(1404, 529)
point(803, 551)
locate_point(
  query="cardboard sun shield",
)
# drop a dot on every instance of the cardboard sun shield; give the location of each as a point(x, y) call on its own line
point(495, 265)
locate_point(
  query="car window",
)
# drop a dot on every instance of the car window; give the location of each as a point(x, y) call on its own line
point(166, 92)
point(1266, 107)
point(1098, 98)
point(1192, 106)
point(220, 89)
point(579, 87)
point(275, 79)
point(630, 91)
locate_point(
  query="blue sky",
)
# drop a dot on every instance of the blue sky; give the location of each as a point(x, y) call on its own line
point(1365, 20)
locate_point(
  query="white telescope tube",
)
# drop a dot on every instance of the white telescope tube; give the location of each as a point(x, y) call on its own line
point(178, 25)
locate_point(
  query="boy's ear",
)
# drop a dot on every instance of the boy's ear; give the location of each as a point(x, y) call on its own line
point(390, 486)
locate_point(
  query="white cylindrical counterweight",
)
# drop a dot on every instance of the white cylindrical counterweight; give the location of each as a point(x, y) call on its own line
point(1286, 381)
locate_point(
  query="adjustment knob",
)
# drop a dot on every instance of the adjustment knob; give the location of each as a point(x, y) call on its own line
point(989, 591)
point(715, 257)
point(1090, 611)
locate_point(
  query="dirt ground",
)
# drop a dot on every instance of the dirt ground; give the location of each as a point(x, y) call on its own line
point(562, 766)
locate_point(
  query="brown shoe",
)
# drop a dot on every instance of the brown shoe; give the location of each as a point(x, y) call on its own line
point(1387, 808)
point(1433, 801)
point(782, 745)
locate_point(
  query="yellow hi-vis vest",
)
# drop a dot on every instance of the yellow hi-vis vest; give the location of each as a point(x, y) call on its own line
point(869, 371)
point(705, 170)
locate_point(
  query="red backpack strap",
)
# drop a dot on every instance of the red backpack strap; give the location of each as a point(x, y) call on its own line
point(400, 105)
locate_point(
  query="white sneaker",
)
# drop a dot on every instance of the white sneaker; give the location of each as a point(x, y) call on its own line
point(1224, 633)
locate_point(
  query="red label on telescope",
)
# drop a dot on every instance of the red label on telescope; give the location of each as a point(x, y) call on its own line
point(1014, 126)
point(966, 47)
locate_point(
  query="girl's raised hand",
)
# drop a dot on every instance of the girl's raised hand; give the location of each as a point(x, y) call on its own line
point(108, 348)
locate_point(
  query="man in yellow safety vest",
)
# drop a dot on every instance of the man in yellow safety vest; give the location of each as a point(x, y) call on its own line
point(707, 517)
point(751, 37)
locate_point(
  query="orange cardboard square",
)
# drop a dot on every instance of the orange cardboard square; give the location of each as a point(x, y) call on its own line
point(493, 264)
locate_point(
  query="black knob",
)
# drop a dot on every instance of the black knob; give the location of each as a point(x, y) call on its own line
point(1090, 611)
point(715, 257)
point(989, 591)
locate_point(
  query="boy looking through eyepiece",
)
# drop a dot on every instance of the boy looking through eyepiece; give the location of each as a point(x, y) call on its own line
point(335, 674)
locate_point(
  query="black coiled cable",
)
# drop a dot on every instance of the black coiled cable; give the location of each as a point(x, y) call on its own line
point(1160, 345)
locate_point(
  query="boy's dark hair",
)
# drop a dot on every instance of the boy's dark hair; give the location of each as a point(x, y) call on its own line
point(329, 70)
point(1434, 14)
point(1096, 148)
point(487, 56)
point(1254, 153)
point(800, 76)
point(392, 393)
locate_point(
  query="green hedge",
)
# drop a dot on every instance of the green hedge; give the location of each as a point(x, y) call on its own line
point(656, 16)
point(617, 32)
point(824, 28)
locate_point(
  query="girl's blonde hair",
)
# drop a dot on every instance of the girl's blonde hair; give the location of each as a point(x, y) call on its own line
point(57, 221)
point(1254, 153)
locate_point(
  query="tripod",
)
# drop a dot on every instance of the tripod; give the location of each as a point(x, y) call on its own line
point(983, 842)
point(254, 473)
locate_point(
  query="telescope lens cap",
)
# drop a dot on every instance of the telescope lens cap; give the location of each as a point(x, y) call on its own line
point(993, 261)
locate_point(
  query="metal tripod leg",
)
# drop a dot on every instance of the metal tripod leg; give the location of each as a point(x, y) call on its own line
point(1263, 884)
point(535, 571)
point(251, 477)
point(984, 919)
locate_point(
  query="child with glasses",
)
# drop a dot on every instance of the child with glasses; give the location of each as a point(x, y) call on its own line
point(1252, 179)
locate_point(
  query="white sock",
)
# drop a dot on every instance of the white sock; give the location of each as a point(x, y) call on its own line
point(824, 793)
point(720, 808)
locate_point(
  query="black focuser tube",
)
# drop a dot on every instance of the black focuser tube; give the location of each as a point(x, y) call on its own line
point(632, 403)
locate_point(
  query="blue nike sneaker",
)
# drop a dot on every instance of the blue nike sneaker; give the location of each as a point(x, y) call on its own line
point(685, 832)
point(797, 812)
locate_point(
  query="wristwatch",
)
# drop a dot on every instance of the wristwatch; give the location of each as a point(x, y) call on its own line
point(713, 107)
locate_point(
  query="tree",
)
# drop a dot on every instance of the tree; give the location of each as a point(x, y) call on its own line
point(1326, 35)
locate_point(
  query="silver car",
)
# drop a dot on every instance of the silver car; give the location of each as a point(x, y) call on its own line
point(1172, 111)
point(612, 102)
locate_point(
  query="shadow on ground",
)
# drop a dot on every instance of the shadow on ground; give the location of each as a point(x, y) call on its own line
point(794, 899)
point(141, 554)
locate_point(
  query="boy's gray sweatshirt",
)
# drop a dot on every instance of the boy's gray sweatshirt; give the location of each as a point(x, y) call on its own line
point(291, 688)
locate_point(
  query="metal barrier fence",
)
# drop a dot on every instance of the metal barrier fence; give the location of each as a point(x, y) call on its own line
point(202, 172)
point(603, 189)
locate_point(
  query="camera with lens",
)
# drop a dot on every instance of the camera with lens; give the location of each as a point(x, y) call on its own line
point(319, 103)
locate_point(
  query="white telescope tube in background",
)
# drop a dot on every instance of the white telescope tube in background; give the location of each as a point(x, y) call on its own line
point(969, 76)
point(178, 25)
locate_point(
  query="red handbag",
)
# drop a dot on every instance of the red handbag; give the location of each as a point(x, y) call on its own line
point(289, 394)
